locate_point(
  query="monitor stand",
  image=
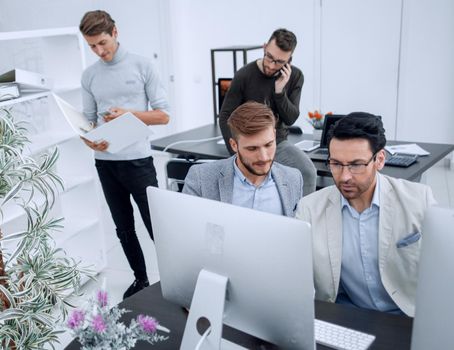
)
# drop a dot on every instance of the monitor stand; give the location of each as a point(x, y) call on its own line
point(208, 302)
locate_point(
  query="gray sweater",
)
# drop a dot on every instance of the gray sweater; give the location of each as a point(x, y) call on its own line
point(128, 81)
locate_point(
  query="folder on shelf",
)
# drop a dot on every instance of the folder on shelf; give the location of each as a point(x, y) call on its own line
point(120, 132)
point(9, 91)
point(27, 80)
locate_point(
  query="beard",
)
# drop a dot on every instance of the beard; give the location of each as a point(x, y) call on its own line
point(267, 71)
point(253, 170)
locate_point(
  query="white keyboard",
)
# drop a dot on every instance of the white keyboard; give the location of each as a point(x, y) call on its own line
point(341, 338)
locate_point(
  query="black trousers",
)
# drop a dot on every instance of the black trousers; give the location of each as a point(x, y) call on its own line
point(120, 180)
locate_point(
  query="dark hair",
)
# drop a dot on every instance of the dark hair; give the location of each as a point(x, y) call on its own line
point(250, 118)
point(360, 125)
point(96, 22)
point(285, 39)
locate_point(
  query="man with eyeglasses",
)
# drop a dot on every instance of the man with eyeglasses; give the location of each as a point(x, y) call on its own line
point(274, 82)
point(367, 228)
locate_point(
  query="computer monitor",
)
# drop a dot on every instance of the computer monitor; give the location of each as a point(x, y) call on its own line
point(432, 326)
point(248, 269)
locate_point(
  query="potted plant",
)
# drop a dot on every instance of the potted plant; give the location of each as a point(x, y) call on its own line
point(35, 276)
point(317, 119)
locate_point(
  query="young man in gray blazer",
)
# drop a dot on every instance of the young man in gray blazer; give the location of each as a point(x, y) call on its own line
point(367, 228)
point(250, 178)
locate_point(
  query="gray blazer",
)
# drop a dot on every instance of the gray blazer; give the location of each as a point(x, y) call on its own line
point(214, 180)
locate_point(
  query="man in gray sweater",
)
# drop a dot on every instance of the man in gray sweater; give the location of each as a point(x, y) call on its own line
point(117, 83)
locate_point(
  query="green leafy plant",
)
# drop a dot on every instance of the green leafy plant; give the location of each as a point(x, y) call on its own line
point(35, 276)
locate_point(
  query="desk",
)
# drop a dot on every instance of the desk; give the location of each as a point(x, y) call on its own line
point(391, 331)
point(213, 150)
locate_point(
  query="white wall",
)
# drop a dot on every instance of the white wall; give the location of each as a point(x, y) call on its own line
point(200, 25)
point(426, 94)
point(183, 32)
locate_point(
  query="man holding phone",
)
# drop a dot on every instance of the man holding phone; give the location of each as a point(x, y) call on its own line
point(272, 80)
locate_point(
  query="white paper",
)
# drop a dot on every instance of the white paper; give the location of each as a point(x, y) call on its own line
point(120, 132)
point(410, 148)
point(76, 119)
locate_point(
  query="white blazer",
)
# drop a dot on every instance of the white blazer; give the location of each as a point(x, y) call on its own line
point(402, 206)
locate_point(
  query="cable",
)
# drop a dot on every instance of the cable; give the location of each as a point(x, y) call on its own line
point(202, 339)
point(190, 141)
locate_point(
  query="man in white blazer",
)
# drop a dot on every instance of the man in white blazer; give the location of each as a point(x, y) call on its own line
point(250, 178)
point(367, 228)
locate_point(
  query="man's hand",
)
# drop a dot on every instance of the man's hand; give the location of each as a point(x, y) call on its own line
point(96, 146)
point(115, 112)
point(280, 83)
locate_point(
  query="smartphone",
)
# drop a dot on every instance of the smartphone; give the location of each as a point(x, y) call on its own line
point(103, 114)
point(279, 72)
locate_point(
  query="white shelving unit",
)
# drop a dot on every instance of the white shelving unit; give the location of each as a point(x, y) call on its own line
point(58, 54)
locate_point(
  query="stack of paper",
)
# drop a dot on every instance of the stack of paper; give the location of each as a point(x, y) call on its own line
point(409, 148)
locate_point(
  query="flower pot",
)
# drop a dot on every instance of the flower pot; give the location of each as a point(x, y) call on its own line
point(317, 134)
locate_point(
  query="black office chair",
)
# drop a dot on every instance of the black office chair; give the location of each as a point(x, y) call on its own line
point(176, 171)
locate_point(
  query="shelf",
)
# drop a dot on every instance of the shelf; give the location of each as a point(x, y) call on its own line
point(234, 50)
point(42, 33)
point(51, 52)
point(47, 140)
point(73, 226)
point(11, 212)
point(25, 96)
point(66, 88)
point(72, 183)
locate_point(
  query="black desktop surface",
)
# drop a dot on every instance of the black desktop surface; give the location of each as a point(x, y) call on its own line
point(391, 331)
point(213, 150)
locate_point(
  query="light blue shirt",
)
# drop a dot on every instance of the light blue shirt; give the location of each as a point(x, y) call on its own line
point(264, 197)
point(360, 276)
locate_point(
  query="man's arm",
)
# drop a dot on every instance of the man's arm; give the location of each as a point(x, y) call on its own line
point(88, 100)
point(154, 117)
point(232, 100)
point(288, 101)
point(192, 184)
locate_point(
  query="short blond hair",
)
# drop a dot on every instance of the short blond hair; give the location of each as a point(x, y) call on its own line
point(250, 118)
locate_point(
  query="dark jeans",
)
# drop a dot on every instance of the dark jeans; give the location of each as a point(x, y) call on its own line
point(120, 180)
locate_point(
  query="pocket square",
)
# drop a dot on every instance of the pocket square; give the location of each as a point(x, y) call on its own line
point(410, 239)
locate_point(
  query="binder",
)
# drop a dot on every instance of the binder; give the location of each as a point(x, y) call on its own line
point(9, 91)
point(120, 132)
point(27, 80)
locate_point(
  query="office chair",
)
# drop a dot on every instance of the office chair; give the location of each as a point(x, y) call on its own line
point(176, 171)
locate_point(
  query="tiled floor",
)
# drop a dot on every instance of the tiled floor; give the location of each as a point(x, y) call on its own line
point(118, 276)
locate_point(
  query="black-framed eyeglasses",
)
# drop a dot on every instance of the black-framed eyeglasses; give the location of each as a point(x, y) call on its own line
point(355, 168)
point(269, 57)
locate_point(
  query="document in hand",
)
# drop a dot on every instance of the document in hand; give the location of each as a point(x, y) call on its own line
point(120, 132)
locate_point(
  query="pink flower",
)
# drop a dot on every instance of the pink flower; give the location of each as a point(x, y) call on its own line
point(102, 298)
point(98, 324)
point(76, 319)
point(148, 324)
